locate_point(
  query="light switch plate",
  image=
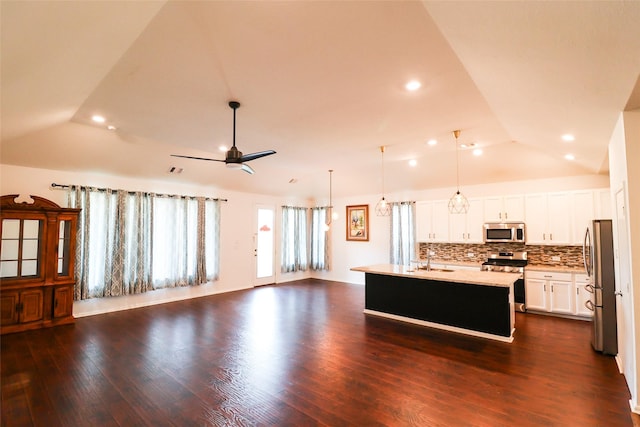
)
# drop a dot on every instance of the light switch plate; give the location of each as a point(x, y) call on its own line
point(555, 258)
point(470, 254)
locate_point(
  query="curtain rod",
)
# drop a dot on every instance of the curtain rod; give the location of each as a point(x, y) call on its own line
point(54, 185)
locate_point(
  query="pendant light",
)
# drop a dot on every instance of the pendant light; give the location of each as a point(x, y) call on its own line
point(330, 207)
point(458, 204)
point(383, 208)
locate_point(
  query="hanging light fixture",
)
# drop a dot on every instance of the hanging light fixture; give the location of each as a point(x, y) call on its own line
point(458, 204)
point(383, 208)
point(330, 207)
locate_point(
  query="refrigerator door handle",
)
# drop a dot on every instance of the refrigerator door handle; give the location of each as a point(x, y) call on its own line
point(586, 258)
point(589, 305)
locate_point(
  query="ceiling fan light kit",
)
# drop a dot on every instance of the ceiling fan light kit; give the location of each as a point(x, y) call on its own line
point(234, 158)
point(458, 204)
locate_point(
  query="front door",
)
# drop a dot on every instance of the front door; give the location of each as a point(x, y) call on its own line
point(264, 245)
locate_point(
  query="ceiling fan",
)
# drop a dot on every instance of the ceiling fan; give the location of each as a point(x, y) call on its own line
point(234, 158)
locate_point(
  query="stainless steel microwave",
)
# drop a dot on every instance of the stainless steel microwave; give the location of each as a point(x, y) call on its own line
point(497, 232)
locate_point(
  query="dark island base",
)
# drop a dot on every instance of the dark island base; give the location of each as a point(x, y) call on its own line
point(455, 306)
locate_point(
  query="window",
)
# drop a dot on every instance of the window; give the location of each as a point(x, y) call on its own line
point(402, 233)
point(134, 242)
point(319, 239)
point(294, 239)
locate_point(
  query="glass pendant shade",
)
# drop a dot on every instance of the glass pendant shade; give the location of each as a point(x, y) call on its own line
point(383, 208)
point(458, 204)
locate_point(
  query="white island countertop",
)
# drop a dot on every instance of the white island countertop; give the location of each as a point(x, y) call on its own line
point(489, 278)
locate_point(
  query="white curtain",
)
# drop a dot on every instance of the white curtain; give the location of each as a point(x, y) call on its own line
point(319, 239)
point(129, 243)
point(403, 235)
point(294, 239)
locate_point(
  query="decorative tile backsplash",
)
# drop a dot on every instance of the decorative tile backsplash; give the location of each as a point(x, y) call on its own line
point(570, 256)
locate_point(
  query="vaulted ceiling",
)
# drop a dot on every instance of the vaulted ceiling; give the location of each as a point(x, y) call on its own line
point(321, 83)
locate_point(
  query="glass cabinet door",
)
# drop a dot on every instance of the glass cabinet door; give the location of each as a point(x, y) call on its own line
point(21, 248)
point(64, 248)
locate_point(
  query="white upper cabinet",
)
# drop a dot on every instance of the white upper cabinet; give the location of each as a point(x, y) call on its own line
point(467, 228)
point(583, 210)
point(504, 208)
point(602, 199)
point(548, 219)
point(432, 221)
point(558, 218)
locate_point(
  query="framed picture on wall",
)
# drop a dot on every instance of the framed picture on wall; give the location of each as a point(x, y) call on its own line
point(358, 222)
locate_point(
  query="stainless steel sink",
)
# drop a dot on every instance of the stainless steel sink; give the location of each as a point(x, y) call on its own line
point(441, 270)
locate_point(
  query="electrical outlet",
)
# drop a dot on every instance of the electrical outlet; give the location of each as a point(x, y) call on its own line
point(432, 253)
point(555, 258)
point(470, 254)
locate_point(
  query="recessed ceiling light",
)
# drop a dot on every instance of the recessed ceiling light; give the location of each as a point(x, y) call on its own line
point(432, 142)
point(468, 145)
point(222, 148)
point(568, 137)
point(98, 119)
point(413, 85)
point(111, 127)
point(569, 157)
point(477, 152)
point(413, 162)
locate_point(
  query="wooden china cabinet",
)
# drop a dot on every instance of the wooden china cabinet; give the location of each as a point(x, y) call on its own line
point(36, 264)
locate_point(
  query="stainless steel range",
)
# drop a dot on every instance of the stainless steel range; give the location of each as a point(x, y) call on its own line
point(510, 262)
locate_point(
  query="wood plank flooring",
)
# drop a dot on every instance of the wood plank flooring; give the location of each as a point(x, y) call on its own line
point(303, 354)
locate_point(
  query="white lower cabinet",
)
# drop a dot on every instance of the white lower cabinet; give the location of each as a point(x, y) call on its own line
point(549, 291)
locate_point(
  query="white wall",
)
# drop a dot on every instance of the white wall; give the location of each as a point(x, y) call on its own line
point(236, 239)
point(624, 159)
point(236, 262)
point(376, 251)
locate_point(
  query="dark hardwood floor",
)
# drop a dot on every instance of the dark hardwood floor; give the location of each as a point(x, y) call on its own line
point(303, 354)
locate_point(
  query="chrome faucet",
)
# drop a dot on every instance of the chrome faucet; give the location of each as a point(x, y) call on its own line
point(428, 267)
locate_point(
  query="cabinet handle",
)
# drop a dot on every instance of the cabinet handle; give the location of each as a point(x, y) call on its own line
point(544, 288)
point(500, 215)
point(548, 276)
point(55, 305)
point(550, 236)
point(544, 236)
point(551, 288)
point(506, 215)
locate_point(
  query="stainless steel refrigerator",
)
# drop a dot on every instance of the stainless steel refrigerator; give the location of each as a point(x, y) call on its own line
point(598, 261)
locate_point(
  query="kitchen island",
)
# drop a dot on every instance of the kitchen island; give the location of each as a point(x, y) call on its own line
point(478, 303)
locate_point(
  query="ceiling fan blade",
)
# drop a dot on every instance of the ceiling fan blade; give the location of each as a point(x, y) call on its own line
point(197, 158)
point(253, 156)
point(247, 169)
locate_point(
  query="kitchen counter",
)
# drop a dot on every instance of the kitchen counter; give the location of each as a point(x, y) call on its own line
point(448, 262)
point(478, 303)
point(487, 278)
point(558, 269)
